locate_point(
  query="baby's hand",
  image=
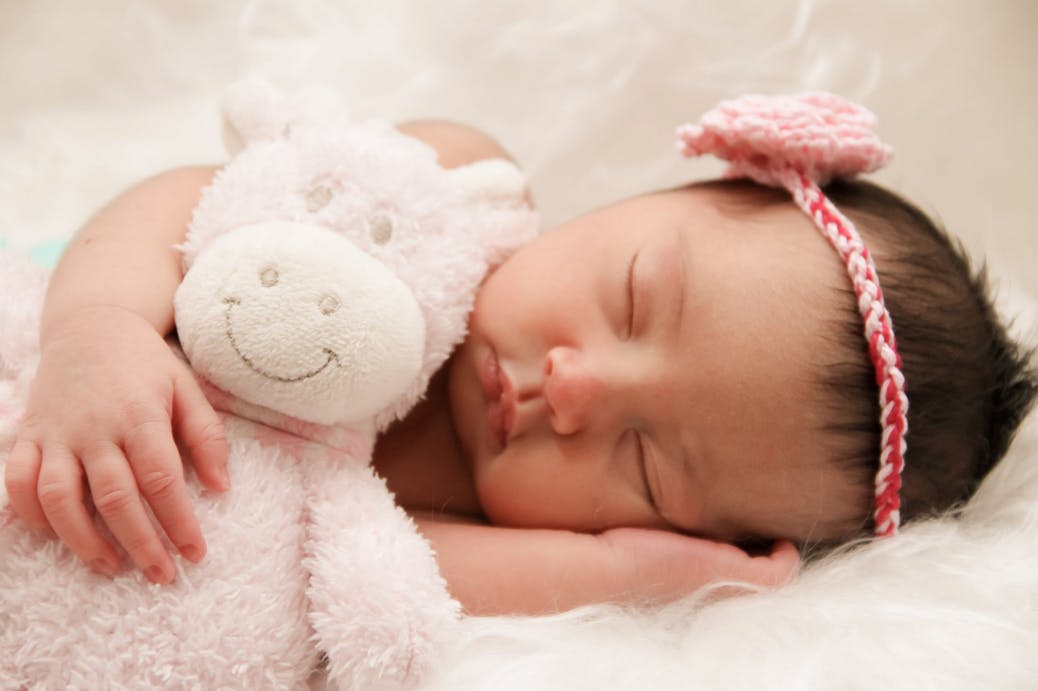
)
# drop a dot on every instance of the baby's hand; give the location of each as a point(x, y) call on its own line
point(664, 565)
point(107, 398)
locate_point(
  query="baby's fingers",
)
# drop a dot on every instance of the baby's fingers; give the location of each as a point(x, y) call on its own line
point(115, 495)
point(773, 569)
point(21, 478)
point(60, 490)
point(782, 564)
point(160, 478)
point(202, 432)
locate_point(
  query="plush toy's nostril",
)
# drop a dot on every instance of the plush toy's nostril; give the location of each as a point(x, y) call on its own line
point(328, 304)
point(318, 196)
point(269, 277)
point(381, 229)
point(231, 301)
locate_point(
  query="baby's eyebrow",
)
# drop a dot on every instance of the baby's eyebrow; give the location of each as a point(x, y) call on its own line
point(679, 252)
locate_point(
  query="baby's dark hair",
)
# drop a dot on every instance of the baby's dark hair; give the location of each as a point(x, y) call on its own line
point(969, 384)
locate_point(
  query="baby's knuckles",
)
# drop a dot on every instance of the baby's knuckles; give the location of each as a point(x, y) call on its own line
point(92, 395)
point(57, 490)
point(104, 400)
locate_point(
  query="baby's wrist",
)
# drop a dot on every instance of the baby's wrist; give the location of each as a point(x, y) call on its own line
point(93, 318)
point(620, 564)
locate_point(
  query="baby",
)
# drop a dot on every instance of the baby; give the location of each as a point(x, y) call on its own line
point(659, 394)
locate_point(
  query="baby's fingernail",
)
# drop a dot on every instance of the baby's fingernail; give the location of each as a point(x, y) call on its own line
point(192, 553)
point(225, 478)
point(156, 574)
point(103, 566)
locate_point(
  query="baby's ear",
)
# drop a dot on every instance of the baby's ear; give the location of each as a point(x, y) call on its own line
point(490, 181)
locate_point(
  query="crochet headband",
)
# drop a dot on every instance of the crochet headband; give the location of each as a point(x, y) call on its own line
point(800, 143)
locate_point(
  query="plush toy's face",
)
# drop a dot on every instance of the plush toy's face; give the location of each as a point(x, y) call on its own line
point(293, 317)
point(330, 270)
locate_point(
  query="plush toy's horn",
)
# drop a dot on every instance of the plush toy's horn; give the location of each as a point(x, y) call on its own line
point(253, 108)
point(256, 108)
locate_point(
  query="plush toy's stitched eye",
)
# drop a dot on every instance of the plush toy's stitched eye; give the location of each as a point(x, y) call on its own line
point(329, 303)
point(268, 277)
point(381, 229)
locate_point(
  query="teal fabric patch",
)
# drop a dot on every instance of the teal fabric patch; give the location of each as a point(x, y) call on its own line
point(48, 253)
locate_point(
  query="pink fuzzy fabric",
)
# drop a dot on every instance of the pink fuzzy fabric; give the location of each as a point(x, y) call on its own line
point(308, 556)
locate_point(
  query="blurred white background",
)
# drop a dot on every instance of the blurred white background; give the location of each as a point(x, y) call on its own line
point(585, 93)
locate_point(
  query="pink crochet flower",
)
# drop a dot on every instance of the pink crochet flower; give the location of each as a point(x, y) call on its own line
point(818, 134)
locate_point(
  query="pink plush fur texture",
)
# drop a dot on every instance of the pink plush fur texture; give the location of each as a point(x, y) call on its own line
point(309, 557)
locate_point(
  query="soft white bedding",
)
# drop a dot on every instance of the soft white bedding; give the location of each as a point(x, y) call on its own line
point(586, 94)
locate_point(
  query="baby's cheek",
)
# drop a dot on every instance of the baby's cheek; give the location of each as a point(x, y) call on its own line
point(507, 495)
point(520, 489)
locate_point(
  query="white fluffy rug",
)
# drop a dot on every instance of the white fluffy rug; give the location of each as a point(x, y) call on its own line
point(586, 94)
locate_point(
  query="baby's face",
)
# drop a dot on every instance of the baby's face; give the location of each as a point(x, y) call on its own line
point(654, 363)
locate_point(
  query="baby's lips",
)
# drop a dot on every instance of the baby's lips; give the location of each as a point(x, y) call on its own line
point(490, 377)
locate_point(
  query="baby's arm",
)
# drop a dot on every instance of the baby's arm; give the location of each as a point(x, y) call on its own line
point(109, 398)
point(109, 395)
point(494, 570)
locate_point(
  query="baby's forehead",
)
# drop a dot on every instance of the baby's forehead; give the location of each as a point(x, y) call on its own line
point(760, 227)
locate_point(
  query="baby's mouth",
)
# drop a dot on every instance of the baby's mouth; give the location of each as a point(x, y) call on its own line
point(330, 354)
point(497, 392)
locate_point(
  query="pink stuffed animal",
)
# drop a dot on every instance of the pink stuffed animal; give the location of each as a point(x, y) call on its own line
point(330, 271)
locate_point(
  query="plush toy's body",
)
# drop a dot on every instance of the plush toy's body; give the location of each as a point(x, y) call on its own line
point(330, 270)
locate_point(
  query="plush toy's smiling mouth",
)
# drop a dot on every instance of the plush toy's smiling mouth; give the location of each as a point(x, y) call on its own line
point(331, 356)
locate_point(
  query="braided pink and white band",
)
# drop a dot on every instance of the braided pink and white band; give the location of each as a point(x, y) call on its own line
point(801, 142)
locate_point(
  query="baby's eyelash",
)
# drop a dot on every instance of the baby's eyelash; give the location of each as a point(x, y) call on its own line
point(640, 451)
point(630, 295)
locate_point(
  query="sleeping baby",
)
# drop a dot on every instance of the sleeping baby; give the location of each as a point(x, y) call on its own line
point(677, 389)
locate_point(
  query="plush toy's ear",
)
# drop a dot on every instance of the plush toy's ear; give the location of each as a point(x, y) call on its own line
point(491, 181)
point(255, 108)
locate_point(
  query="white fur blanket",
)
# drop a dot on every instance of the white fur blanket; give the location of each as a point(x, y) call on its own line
point(586, 95)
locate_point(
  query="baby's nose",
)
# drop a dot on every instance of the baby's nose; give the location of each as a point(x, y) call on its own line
point(573, 391)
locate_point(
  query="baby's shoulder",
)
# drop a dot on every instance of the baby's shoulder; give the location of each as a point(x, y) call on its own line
point(456, 144)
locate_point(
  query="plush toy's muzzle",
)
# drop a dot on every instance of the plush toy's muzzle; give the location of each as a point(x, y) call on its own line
point(295, 318)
